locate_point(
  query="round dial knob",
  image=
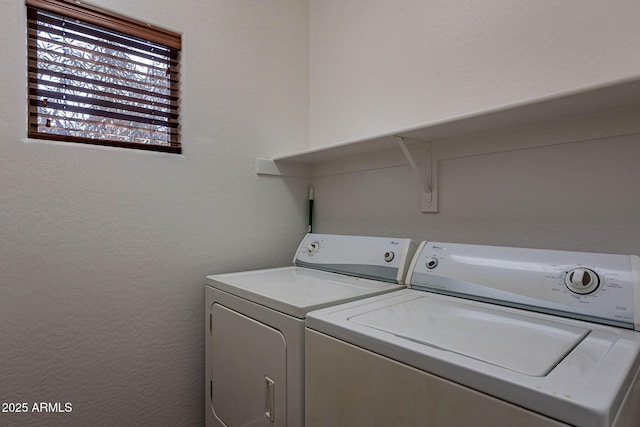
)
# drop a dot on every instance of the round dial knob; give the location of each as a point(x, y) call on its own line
point(313, 248)
point(388, 256)
point(431, 263)
point(582, 280)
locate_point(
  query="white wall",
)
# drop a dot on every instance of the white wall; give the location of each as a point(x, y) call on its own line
point(379, 66)
point(582, 193)
point(104, 252)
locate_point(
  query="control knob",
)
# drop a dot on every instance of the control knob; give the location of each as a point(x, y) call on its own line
point(432, 262)
point(313, 248)
point(388, 256)
point(582, 280)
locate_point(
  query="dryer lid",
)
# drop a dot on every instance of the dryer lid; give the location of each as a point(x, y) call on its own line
point(507, 338)
point(296, 290)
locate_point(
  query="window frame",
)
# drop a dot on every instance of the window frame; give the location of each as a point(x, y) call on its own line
point(115, 23)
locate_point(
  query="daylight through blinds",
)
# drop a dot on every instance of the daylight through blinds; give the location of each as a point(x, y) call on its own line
point(92, 84)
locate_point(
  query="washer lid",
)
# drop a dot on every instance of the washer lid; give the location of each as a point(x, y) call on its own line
point(297, 290)
point(521, 343)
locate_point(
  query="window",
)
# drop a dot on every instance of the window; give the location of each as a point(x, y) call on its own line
point(99, 78)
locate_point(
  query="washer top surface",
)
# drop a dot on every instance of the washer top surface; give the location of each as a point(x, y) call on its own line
point(529, 345)
point(297, 290)
point(567, 369)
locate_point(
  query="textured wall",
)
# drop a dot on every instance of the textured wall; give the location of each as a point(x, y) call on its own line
point(378, 66)
point(581, 195)
point(103, 252)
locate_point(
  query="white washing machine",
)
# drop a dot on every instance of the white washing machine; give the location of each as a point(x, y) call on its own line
point(255, 323)
point(487, 336)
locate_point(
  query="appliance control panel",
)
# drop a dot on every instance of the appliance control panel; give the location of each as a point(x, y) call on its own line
point(378, 258)
point(602, 288)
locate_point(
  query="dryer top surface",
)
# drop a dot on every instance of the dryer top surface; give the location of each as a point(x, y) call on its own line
point(297, 290)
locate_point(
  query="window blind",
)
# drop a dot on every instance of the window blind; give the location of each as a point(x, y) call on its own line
point(98, 78)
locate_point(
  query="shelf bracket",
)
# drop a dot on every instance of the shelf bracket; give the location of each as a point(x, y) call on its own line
point(423, 175)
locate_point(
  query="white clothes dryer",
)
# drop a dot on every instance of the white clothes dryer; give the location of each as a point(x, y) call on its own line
point(254, 323)
point(487, 336)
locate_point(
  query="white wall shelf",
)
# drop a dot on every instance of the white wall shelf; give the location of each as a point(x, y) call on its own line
point(564, 106)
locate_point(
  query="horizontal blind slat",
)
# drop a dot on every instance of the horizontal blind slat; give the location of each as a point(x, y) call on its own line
point(40, 65)
point(108, 132)
point(33, 37)
point(65, 87)
point(106, 68)
point(103, 103)
point(104, 113)
point(57, 74)
point(62, 62)
point(112, 123)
